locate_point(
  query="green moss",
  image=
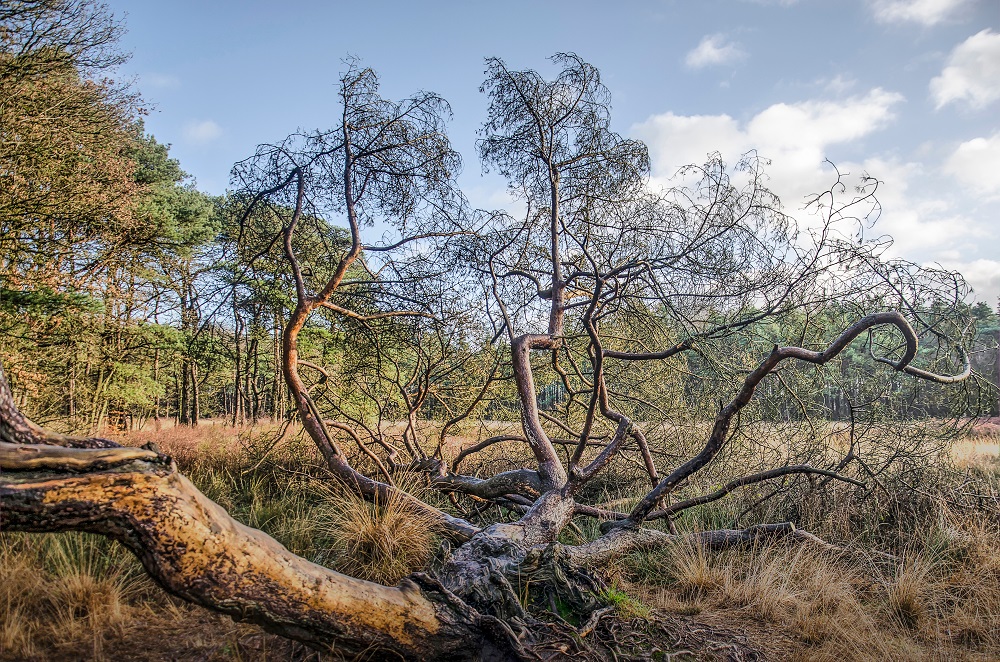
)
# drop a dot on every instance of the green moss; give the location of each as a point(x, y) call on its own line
point(625, 605)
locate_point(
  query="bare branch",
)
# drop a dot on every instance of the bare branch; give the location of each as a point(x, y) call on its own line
point(720, 429)
point(675, 508)
point(368, 318)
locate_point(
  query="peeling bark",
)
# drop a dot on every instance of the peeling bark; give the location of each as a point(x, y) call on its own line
point(197, 552)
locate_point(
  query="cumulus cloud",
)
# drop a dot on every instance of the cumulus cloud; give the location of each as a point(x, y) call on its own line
point(930, 225)
point(795, 136)
point(922, 224)
point(976, 165)
point(925, 12)
point(201, 132)
point(972, 72)
point(714, 50)
point(927, 219)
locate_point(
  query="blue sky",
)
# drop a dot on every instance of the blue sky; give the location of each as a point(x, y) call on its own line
point(907, 90)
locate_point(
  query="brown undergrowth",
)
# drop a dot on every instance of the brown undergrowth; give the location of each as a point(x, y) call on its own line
point(74, 596)
point(796, 603)
point(939, 601)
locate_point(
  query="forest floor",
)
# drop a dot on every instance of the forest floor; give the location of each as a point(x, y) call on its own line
point(80, 597)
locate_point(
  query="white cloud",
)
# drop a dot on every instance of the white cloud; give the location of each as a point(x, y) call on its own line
point(930, 224)
point(714, 50)
point(926, 12)
point(922, 225)
point(976, 164)
point(928, 219)
point(824, 122)
point(796, 137)
point(984, 276)
point(972, 73)
point(839, 84)
point(201, 132)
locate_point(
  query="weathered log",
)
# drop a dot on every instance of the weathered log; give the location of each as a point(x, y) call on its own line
point(620, 541)
point(196, 551)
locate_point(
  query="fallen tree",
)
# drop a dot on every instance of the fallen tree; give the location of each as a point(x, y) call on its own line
point(473, 609)
point(597, 272)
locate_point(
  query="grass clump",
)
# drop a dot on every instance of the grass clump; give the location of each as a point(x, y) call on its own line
point(690, 570)
point(939, 602)
point(907, 595)
point(381, 540)
point(61, 590)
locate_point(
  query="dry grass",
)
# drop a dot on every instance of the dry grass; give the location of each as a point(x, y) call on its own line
point(80, 597)
point(910, 591)
point(941, 602)
point(71, 596)
point(70, 587)
point(207, 446)
point(980, 447)
point(798, 603)
point(382, 541)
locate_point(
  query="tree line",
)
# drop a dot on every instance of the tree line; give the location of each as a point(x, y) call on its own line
point(128, 296)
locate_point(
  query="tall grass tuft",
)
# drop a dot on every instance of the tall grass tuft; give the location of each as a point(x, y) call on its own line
point(908, 593)
point(381, 541)
point(64, 588)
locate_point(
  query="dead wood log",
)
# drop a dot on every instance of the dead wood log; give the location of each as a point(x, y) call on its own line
point(621, 541)
point(197, 552)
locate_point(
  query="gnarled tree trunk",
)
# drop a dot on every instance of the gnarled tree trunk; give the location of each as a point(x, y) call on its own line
point(196, 551)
